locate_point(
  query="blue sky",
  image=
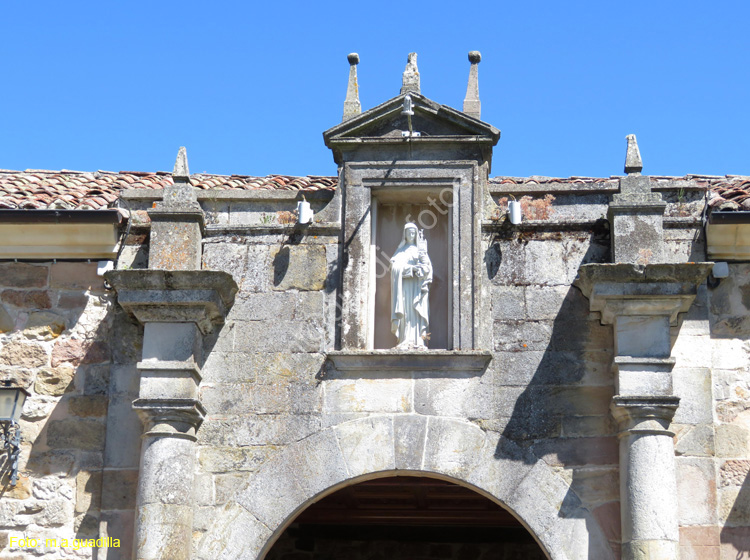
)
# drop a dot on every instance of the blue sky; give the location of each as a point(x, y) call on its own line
point(250, 88)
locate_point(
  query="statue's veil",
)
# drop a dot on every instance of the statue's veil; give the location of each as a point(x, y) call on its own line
point(403, 234)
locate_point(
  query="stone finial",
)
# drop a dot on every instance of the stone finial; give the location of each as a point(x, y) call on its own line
point(633, 162)
point(472, 105)
point(352, 106)
point(411, 75)
point(181, 173)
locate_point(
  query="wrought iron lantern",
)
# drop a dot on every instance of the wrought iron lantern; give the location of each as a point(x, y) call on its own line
point(12, 399)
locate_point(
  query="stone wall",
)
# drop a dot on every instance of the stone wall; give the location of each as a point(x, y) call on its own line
point(59, 340)
point(268, 387)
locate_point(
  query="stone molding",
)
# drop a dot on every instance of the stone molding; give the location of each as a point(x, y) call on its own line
point(185, 296)
point(357, 362)
point(630, 289)
point(182, 216)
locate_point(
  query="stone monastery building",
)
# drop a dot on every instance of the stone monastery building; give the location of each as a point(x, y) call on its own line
point(534, 368)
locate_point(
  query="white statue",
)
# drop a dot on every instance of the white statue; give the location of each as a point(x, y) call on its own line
point(411, 276)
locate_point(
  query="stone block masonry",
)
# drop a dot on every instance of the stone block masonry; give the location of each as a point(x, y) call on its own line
point(56, 324)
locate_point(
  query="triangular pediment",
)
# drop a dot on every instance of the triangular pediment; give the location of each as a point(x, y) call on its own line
point(430, 119)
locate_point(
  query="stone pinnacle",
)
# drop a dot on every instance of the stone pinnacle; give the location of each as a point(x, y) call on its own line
point(352, 106)
point(472, 105)
point(633, 162)
point(181, 174)
point(410, 81)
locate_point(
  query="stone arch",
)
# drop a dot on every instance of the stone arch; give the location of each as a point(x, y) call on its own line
point(448, 448)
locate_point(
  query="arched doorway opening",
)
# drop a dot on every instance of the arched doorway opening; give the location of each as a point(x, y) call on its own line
point(405, 518)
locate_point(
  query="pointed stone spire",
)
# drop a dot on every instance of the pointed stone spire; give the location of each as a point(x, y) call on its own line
point(411, 75)
point(181, 193)
point(352, 106)
point(181, 173)
point(633, 162)
point(472, 105)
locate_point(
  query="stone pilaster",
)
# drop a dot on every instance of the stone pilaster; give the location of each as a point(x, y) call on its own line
point(643, 303)
point(176, 308)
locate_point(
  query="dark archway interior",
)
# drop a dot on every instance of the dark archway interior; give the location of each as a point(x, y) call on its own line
point(405, 518)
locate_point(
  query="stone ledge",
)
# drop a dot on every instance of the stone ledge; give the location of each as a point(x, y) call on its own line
point(650, 290)
point(384, 361)
point(203, 297)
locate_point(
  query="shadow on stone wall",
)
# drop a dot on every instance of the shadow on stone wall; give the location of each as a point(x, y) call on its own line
point(560, 363)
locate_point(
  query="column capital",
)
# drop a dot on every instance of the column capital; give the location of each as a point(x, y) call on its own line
point(179, 418)
point(644, 414)
point(203, 297)
point(642, 290)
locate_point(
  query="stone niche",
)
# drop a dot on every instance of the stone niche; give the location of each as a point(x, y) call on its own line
point(437, 180)
point(430, 210)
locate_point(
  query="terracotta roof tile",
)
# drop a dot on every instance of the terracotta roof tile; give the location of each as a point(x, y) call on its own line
point(71, 190)
point(39, 189)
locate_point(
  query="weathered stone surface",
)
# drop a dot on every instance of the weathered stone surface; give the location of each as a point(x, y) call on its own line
point(88, 406)
point(693, 386)
point(6, 321)
point(95, 379)
point(696, 488)
point(22, 489)
point(22, 275)
point(55, 381)
point(119, 489)
point(732, 441)
point(699, 543)
point(368, 395)
point(239, 536)
point(72, 300)
point(27, 299)
point(233, 459)
point(76, 276)
point(75, 434)
point(452, 447)
point(265, 336)
point(568, 452)
point(23, 354)
point(78, 352)
point(508, 302)
point(367, 445)
point(734, 472)
point(299, 267)
point(43, 325)
point(696, 441)
point(734, 507)
point(88, 491)
point(409, 433)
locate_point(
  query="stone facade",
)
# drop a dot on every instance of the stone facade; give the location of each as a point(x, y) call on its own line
point(605, 407)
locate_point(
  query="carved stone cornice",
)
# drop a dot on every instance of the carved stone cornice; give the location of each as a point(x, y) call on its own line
point(629, 289)
point(203, 297)
point(397, 361)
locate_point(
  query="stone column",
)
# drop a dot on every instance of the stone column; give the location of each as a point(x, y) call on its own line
point(648, 488)
point(177, 303)
point(643, 303)
point(176, 309)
